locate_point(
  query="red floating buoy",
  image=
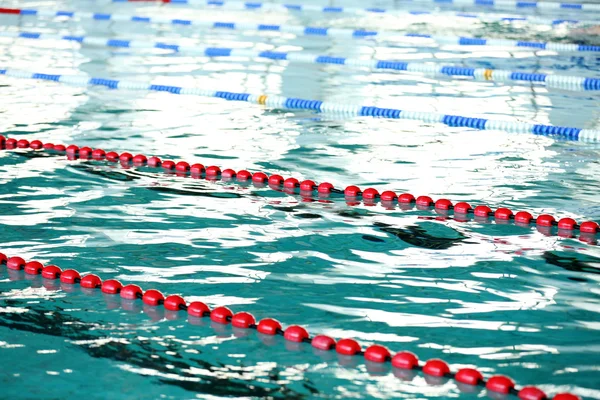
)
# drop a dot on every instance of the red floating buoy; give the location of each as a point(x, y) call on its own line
point(48, 146)
point(406, 198)
point(503, 214)
point(140, 159)
point(545, 220)
point(154, 162)
point(323, 342)
point(70, 276)
point(295, 333)
point(84, 152)
point(307, 185)
point(352, 191)
point(228, 173)
point(221, 315)
point(468, 376)
point(462, 208)
point(23, 144)
point(197, 169)
point(10, 143)
point(198, 309)
point(500, 384)
point(275, 180)
point(213, 171)
point(324, 187)
point(589, 227)
point(291, 183)
point(377, 353)
point(98, 154)
point(405, 360)
point(33, 268)
point(111, 286)
point(370, 193)
point(125, 157)
point(424, 201)
point(259, 177)
point(90, 281)
point(112, 156)
point(182, 166)
point(567, 224)
point(72, 149)
point(168, 165)
point(482, 211)
point(388, 195)
point(566, 396)
point(347, 347)
point(51, 272)
point(443, 204)
point(15, 263)
point(269, 326)
point(531, 393)
point(36, 144)
point(131, 292)
point(436, 367)
point(174, 303)
point(243, 175)
point(523, 217)
point(153, 297)
point(243, 320)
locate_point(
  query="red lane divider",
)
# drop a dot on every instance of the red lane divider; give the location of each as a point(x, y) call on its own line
point(375, 353)
point(370, 196)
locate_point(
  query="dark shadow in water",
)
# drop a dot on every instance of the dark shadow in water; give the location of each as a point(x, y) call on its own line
point(143, 355)
point(418, 237)
point(116, 175)
point(192, 192)
point(579, 263)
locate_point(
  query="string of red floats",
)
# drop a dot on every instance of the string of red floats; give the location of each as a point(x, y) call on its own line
point(388, 199)
point(403, 360)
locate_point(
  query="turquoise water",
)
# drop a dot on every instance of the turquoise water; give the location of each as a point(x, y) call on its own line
point(507, 299)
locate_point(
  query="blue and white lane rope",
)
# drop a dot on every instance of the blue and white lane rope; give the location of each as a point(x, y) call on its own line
point(574, 83)
point(278, 7)
point(519, 4)
point(280, 102)
point(342, 33)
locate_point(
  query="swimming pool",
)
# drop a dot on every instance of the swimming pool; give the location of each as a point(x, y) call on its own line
point(477, 292)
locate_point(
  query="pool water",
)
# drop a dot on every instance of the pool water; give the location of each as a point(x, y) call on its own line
point(506, 299)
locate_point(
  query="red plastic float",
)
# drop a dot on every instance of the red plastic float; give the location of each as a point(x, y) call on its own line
point(243, 320)
point(153, 297)
point(348, 347)
point(482, 211)
point(323, 342)
point(295, 333)
point(269, 326)
point(70, 276)
point(500, 384)
point(221, 315)
point(198, 309)
point(51, 272)
point(377, 353)
point(131, 292)
point(370, 193)
point(405, 360)
point(468, 376)
point(436, 367)
point(307, 185)
point(462, 208)
point(175, 303)
point(352, 191)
